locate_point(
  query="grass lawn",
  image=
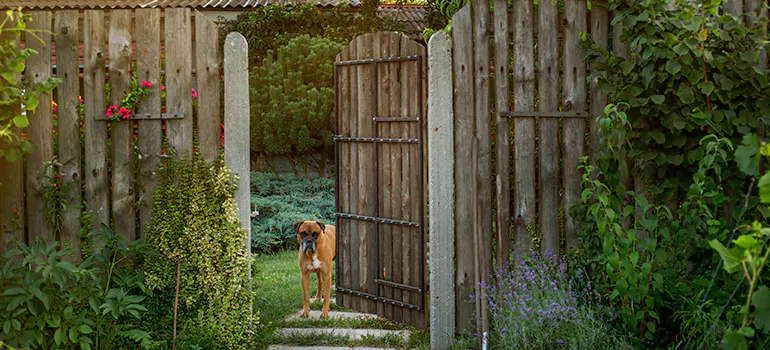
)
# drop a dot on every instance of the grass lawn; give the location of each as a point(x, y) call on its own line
point(278, 293)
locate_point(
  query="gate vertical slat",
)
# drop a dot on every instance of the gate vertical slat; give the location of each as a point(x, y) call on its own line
point(342, 166)
point(401, 180)
point(150, 131)
point(411, 255)
point(599, 28)
point(97, 185)
point(208, 83)
point(122, 132)
point(12, 211)
point(548, 89)
point(366, 184)
point(502, 143)
point(67, 68)
point(354, 227)
point(386, 174)
point(621, 50)
point(464, 163)
point(574, 100)
point(418, 164)
point(524, 128)
point(179, 80)
point(40, 131)
point(483, 224)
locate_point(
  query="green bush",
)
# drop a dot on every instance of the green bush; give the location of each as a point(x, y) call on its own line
point(292, 99)
point(280, 203)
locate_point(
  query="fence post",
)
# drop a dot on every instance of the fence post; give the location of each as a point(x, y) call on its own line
point(237, 126)
point(440, 190)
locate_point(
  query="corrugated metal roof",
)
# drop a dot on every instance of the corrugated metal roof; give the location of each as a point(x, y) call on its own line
point(411, 16)
point(124, 4)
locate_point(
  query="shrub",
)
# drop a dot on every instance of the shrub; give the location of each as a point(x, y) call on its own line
point(195, 225)
point(280, 203)
point(539, 304)
point(292, 99)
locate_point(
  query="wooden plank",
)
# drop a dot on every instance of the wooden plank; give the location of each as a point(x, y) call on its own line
point(599, 28)
point(483, 227)
point(40, 131)
point(150, 131)
point(465, 180)
point(96, 185)
point(574, 95)
point(122, 132)
point(441, 189)
point(67, 68)
point(368, 48)
point(422, 322)
point(342, 94)
point(524, 129)
point(417, 103)
point(355, 226)
point(733, 7)
point(179, 80)
point(548, 55)
point(389, 103)
point(207, 75)
point(12, 210)
point(404, 248)
point(502, 143)
point(751, 21)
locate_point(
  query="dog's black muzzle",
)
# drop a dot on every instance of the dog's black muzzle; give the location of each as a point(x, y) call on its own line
point(308, 245)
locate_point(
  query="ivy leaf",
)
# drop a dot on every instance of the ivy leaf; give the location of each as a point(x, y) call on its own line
point(658, 99)
point(731, 262)
point(11, 155)
point(673, 67)
point(691, 43)
point(16, 66)
point(734, 341)
point(761, 302)
point(21, 121)
point(750, 56)
point(681, 49)
point(746, 155)
point(8, 76)
point(706, 87)
point(676, 159)
point(685, 94)
point(746, 241)
point(726, 84)
point(32, 103)
point(671, 39)
point(27, 147)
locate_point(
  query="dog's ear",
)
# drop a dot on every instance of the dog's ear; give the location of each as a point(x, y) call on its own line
point(298, 224)
point(321, 225)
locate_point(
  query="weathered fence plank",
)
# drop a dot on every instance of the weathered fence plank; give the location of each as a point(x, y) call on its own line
point(40, 133)
point(237, 144)
point(599, 28)
point(441, 187)
point(502, 143)
point(97, 186)
point(67, 68)
point(390, 101)
point(417, 98)
point(355, 226)
point(548, 88)
point(524, 128)
point(123, 212)
point(208, 82)
point(365, 174)
point(342, 152)
point(574, 95)
point(465, 179)
point(12, 211)
point(733, 7)
point(150, 131)
point(179, 80)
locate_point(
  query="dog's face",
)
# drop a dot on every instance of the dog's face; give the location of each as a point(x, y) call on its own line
point(308, 233)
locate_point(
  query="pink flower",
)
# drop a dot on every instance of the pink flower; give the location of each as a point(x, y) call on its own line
point(147, 84)
point(111, 110)
point(125, 113)
point(81, 100)
point(55, 109)
point(194, 93)
point(163, 87)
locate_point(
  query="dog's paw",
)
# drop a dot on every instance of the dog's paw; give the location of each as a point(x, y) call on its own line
point(305, 314)
point(325, 314)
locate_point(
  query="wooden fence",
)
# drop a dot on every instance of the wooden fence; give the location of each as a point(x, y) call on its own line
point(115, 183)
point(535, 179)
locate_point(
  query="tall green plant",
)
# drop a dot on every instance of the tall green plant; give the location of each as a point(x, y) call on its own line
point(13, 92)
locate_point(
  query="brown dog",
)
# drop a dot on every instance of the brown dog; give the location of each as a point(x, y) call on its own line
point(317, 250)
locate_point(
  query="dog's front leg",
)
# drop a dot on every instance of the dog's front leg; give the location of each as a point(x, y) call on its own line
point(305, 294)
point(327, 277)
point(320, 288)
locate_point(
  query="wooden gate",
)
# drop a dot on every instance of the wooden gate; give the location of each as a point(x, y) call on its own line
point(380, 110)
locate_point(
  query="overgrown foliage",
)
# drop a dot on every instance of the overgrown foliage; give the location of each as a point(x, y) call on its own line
point(277, 204)
point(195, 228)
point(690, 90)
point(292, 100)
point(13, 92)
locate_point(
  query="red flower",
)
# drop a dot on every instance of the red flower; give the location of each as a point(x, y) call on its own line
point(194, 93)
point(147, 84)
point(125, 113)
point(55, 109)
point(111, 110)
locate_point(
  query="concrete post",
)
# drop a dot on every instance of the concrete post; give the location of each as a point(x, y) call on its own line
point(441, 191)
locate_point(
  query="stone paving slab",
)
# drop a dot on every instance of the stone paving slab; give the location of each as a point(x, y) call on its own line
point(287, 347)
point(353, 334)
point(334, 314)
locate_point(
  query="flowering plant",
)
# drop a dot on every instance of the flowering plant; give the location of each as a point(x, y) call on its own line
point(130, 103)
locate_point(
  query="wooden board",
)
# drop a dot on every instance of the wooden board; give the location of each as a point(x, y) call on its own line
point(147, 36)
point(524, 208)
point(355, 226)
point(68, 92)
point(122, 132)
point(386, 174)
point(179, 80)
point(96, 187)
point(365, 174)
point(342, 183)
point(574, 95)
point(465, 180)
point(548, 89)
point(599, 33)
point(208, 82)
point(12, 210)
point(502, 144)
point(38, 69)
